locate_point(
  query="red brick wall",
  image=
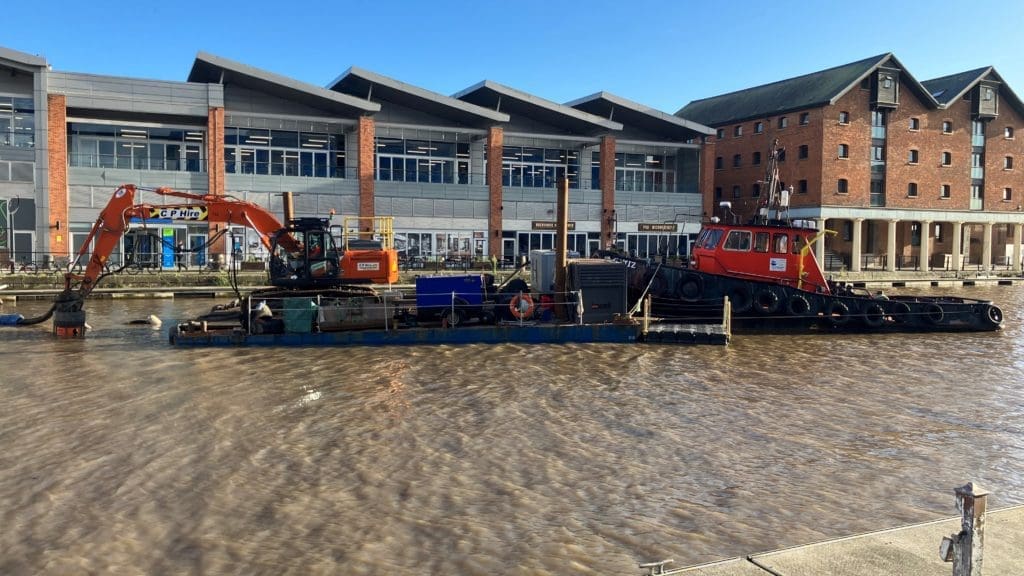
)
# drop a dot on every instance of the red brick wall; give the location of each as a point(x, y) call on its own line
point(607, 171)
point(997, 148)
point(57, 142)
point(495, 145)
point(367, 130)
point(857, 135)
point(747, 174)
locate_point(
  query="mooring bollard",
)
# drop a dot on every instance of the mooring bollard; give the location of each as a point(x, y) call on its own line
point(655, 568)
point(965, 550)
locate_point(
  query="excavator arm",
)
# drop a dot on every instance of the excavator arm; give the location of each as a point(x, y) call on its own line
point(115, 220)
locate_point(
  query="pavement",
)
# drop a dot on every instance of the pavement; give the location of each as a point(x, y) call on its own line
point(906, 551)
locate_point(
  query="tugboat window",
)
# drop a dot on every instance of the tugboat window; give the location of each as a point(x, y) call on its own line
point(711, 240)
point(761, 242)
point(781, 243)
point(738, 240)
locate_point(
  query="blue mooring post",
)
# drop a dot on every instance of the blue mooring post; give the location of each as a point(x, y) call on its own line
point(965, 550)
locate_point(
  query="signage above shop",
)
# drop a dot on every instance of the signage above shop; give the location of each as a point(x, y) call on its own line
point(661, 227)
point(548, 225)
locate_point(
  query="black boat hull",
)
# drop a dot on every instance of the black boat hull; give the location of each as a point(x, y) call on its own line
point(685, 295)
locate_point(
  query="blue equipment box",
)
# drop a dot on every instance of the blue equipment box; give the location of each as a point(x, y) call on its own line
point(436, 291)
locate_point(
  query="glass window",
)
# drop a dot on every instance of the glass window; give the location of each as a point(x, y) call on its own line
point(844, 117)
point(915, 124)
point(758, 127)
point(805, 118)
point(1008, 163)
point(737, 131)
point(944, 191)
point(803, 151)
point(738, 240)
point(718, 163)
point(720, 133)
point(711, 238)
point(761, 242)
point(947, 158)
point(781, 243)
point(947, 127)
point(843, 186)
point(912, 190)
point(1007, 193)
point(913, 157)
point(783, 122)
point(737, 160)
point(1008, 132)
point(757, 159)
point(844, 150)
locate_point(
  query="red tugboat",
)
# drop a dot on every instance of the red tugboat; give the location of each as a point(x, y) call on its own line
point(768, 271)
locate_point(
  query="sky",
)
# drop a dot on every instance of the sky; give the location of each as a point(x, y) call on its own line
point(661, 54)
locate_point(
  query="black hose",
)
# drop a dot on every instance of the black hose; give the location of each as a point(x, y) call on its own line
point(37, 319)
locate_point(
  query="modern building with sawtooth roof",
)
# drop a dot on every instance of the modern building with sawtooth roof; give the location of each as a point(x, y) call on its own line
point(464, 177)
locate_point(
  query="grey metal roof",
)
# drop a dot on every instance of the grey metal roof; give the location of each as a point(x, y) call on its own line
point(499, 97)
point(21, 59)
point(631, 113)
point(370, 85)
point(948, 89)
point(215, 69)
point(807, 91)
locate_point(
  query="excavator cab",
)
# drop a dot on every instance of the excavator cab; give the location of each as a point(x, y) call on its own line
point(305, 255)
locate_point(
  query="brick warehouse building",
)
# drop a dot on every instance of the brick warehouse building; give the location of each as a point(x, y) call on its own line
point(465, 176)
point(905, 172)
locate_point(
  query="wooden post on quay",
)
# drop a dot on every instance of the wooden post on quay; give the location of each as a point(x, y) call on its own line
point(561, 247)
point(966, 549)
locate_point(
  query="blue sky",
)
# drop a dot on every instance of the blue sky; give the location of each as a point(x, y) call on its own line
point(662, 54)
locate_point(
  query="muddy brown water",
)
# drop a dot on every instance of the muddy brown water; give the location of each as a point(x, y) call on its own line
point(124, 455)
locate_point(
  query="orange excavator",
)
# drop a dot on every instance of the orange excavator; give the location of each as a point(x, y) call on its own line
point(304, 254)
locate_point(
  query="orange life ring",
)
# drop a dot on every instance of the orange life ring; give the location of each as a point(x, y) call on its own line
point(521, 306)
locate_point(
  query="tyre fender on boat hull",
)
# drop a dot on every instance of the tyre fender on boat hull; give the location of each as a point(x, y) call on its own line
point(799, 305)
point(838, 313)
point(873, 315)
point(741, 297)
point(691, 287)
point(991, 315)
point(933, 313)
point(767, 301)
point(900, 312)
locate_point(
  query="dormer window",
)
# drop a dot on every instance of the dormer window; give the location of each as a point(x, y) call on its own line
point(989, 94)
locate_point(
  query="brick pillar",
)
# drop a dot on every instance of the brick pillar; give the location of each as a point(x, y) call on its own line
point(215, 173)
point(367, 147)
point(495, 144)
point(57, 141)
point(607, 171)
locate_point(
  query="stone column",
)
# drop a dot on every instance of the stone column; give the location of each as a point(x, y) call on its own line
point(958, 240)
point(986, 247)
point(819, 248)
point(890, 249)
point(1017, 233)
point(857, 242)
point(926, 246)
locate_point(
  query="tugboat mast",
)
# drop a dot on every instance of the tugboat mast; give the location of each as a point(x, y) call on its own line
point(775, 197)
